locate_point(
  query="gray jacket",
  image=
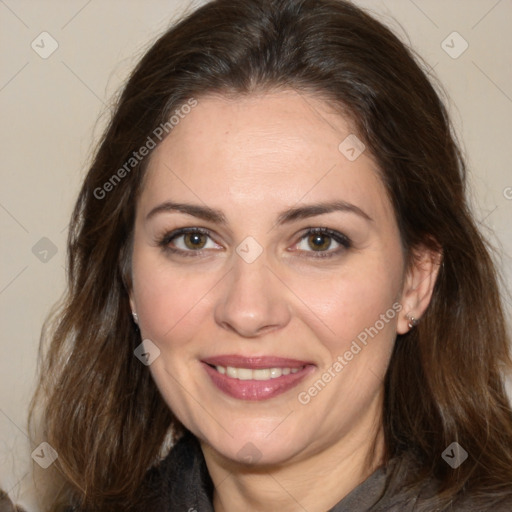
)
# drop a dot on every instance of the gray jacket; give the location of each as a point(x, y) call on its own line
point(181, 483)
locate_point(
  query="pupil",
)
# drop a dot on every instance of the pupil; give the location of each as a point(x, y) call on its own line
point(320, 241)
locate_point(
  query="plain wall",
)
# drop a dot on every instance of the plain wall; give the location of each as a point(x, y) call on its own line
point(51, 110)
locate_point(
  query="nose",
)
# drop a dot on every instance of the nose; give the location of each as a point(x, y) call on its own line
point(253, 301)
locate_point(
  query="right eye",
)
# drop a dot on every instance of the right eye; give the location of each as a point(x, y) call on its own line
point(187, 241)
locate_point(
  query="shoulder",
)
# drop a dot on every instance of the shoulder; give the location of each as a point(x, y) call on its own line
point(425, 495)
point(470, 503)
point(6, 505)
point(174, 483)
point(179, 481)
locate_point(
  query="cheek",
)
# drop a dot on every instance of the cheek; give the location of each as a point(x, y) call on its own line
point(167, 299)
point(361, 312)
point(351, 301)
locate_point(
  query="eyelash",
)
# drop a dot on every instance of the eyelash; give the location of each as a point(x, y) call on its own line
point(338, 237)
point(169, 237)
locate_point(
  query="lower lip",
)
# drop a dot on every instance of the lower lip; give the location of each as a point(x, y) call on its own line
point(256, 390)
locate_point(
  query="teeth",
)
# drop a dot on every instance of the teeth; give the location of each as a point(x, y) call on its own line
point(231, 372)
point(275, 372)
point(240, 373)
point(259, 374)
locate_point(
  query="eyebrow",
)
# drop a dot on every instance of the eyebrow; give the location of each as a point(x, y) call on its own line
point(303, 212)
point(290, 215)
point(202, 212)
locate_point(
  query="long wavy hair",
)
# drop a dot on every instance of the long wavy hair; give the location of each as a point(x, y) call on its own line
point(102, 411)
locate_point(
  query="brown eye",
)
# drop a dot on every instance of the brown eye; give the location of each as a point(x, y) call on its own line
point(319, 241)
point(323, 243)
point(188, 242)
point(195, 240)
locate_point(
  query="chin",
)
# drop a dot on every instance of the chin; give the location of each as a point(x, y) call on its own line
point(255, 447)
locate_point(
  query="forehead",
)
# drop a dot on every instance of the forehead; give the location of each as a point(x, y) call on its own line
point(251, 151)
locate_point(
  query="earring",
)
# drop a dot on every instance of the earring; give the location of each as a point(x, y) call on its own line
point(135, 317)
point(413, 322)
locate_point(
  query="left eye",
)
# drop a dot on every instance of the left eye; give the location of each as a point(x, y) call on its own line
point(322, 240)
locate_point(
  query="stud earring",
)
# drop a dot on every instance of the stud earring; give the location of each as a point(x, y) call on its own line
point(412, 322)
point(135, 317)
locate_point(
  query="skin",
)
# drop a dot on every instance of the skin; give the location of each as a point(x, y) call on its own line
point(253, 157)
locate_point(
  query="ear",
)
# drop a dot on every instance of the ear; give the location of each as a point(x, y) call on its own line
point(132, 302)
point(128, 286)
point(418, 285)
point(125, 268)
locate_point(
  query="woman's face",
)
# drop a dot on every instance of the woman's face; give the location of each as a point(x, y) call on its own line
point(275, 313)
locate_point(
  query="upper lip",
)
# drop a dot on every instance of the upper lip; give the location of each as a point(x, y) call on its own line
point(254, 362)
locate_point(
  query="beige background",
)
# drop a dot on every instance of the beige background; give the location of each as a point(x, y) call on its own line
point(50, 110)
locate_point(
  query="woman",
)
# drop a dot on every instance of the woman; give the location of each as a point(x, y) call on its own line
point(272, 265)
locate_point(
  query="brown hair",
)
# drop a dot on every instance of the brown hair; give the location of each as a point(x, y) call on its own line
point(6, 505)
point(105, 416)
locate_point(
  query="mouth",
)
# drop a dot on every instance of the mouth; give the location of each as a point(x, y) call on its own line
point(255, 378)
point(259, 374)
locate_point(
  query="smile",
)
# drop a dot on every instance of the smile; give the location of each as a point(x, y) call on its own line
point(259, 374)
point(255, 378)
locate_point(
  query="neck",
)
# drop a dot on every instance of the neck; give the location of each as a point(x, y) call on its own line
point(315, 481)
